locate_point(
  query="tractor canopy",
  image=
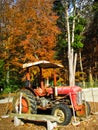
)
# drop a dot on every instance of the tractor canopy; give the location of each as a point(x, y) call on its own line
point(42, 64)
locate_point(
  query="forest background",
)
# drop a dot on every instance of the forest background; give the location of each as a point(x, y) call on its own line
point(35, 30)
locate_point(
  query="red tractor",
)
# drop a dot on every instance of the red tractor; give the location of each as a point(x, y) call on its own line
point(60, 100)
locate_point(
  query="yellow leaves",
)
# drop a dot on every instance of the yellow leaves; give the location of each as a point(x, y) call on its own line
point(47, 73)
point(80, 76)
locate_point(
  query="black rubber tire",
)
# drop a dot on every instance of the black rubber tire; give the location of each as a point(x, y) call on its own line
point(29, 99)
point(83, 112)
point(65, 111)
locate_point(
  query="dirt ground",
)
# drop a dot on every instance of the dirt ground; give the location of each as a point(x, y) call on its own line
point(90, 122)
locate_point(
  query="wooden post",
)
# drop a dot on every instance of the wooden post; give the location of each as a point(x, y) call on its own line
point(20, 103)
point(41, 79)
point(55, 78)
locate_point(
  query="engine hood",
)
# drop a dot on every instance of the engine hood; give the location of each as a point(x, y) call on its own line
point(62, 90)
point(68, 89)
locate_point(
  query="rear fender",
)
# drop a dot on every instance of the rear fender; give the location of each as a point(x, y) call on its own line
point(28, 89)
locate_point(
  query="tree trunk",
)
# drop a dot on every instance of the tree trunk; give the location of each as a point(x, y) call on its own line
point(72, 62)
point(71, 57)
point(81, 66)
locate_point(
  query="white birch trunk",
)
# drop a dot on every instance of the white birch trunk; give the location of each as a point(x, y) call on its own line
point(70, 51)
point(71, 60)
point(7, 53)
point(74, 60)
point(81, 66)
point(7, 77)
point(70, 55)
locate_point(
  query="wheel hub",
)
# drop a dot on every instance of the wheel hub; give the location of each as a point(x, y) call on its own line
point(59, 113)
point(24, 106)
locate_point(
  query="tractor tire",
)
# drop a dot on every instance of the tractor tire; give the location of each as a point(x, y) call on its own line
point(85, 111)
point(63, 112)
point(28, 102)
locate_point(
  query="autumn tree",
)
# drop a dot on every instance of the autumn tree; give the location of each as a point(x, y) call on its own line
point(5, 14)
point(34, 31)
point(31, 32)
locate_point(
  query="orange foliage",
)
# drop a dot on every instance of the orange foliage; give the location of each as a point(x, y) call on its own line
point(31, 31)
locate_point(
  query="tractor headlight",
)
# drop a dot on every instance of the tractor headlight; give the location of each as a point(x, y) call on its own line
point(79, 98)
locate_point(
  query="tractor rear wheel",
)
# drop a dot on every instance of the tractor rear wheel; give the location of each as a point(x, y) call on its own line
point(63, 112)
point(85, 111)
point(28, 102)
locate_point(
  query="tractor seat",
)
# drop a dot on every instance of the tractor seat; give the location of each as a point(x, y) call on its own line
point(40, 92)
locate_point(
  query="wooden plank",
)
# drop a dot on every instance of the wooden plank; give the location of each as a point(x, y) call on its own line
point(7, 95)
point(36, 117)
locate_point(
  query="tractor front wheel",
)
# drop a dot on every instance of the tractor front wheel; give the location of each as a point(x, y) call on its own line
point(63, 112)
